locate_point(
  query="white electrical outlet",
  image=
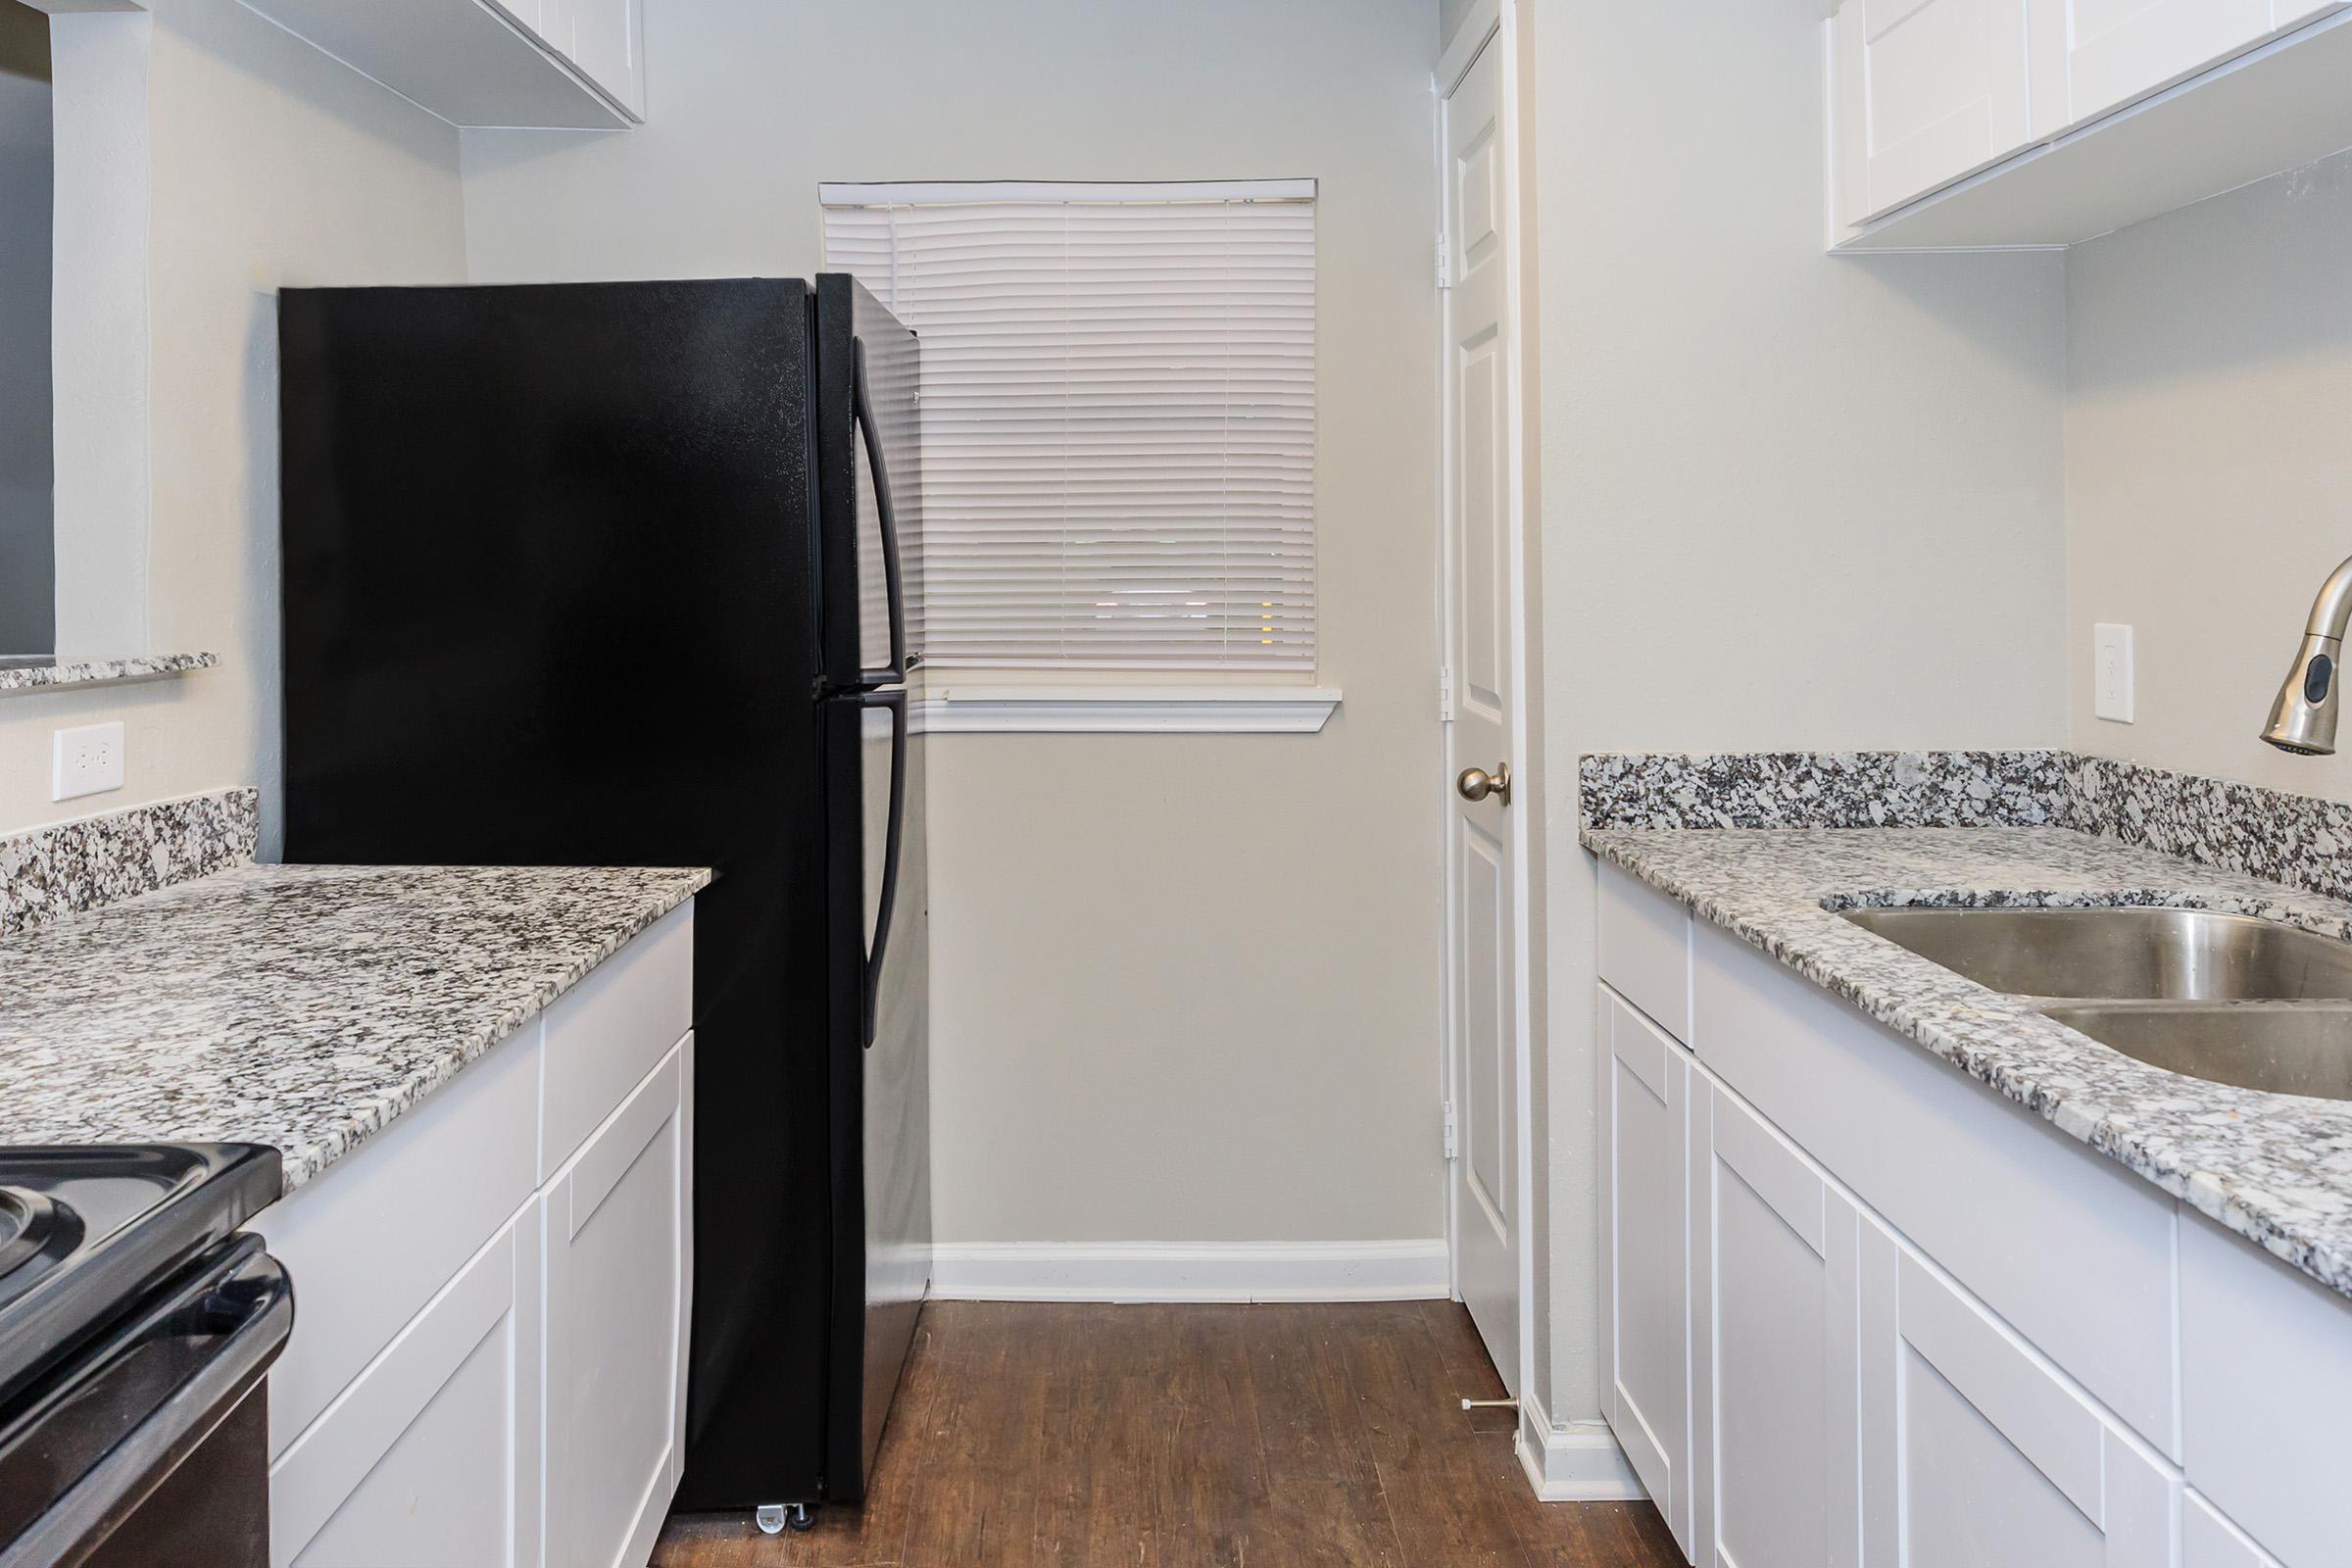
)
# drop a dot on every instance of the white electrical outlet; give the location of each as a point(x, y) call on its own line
point(86, 761)
point(2111, 672)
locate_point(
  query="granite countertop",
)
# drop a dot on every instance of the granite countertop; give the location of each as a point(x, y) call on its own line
point(2276, 1168)
point(302, 1007)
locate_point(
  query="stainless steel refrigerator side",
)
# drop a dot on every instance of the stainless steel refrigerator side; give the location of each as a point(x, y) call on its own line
point(898, 1093)
point(868, 436)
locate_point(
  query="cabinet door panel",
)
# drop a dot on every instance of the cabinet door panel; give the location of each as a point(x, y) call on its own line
point(1645, 1219)
point(2073, 1248)
point(1942, 86)
point(372, 1238)
point(431, 1455)
point(2210, 1540)
point(600, 38)
point(1778, 1445)
point(1981, 1453)
point(613, 1231)
point(2114, 51)
point(2265, 1394)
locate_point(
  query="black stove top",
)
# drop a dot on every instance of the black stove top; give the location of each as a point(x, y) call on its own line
point(85, 1231)
point(31, 1228)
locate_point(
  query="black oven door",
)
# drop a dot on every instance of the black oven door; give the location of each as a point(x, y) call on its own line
point(151, 1444)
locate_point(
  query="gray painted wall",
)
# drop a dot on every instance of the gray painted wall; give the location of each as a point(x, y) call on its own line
point(1185, 987)
point(1789, 499)
point(2209, 390)
point(272, 164)
point(27, 544)
point(1451, 14)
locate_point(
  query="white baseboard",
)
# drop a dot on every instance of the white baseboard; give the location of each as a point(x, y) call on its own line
point(1579, 1463)
point(1175, 1271)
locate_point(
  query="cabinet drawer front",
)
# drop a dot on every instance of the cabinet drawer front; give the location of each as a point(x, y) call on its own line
point(431, 1453)
point(371, 1240)
point(605, 1034)
point(1645, 950)
point(1646, 1215)
point(2265, 1395)
point(1980, 1451)
point(2069, 1247)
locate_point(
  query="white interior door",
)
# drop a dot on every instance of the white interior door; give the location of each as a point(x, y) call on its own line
point(1486, 879)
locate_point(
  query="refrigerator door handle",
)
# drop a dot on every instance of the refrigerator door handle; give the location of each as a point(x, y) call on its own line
point(896, 701)
point(862, 411)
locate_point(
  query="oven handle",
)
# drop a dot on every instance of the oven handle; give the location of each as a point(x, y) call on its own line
point(240, 1297)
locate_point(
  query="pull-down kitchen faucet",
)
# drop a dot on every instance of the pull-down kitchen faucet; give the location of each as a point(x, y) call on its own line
point(2303, 719)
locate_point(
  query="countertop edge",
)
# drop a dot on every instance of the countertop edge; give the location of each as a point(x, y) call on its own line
point(305, 1163)
point(2208, 1192)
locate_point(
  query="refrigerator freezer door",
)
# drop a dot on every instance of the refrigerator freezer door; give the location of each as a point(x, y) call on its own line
point(882, 1132)
point(870, 499)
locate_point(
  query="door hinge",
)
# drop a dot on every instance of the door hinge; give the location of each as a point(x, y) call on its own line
point(1445, 272)
point(1446, 694)
point(1453, 1141)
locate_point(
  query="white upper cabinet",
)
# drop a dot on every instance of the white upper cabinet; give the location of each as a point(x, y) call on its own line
point(553, 64)
point(1959, 125)
point(2091, 56)
point(601, 41)
point(1935, 89)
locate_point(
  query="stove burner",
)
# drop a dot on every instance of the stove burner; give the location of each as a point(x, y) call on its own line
point(27, 1219)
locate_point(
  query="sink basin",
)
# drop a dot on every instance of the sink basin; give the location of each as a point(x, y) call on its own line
point(2287, 1051)
point(2123, 953)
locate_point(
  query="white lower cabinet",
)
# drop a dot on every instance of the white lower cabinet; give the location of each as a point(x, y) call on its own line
point(1980, 1452)
point(1921, 1328)
point(528, 1410)
point(431, 1455)
point(1645, 1229)
point(614, 1228)
point(1774, 1350)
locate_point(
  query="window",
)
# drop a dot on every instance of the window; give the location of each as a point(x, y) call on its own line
point(1118, 418)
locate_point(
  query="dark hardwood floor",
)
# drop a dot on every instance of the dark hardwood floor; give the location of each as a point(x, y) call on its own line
point(1194, 1437)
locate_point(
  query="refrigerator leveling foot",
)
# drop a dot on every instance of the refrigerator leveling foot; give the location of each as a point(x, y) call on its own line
point(774, 1517)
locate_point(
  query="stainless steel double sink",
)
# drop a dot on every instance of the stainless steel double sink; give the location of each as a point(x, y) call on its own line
point(2226, 998)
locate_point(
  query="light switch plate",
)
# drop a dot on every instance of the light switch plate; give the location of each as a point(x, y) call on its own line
point(2111, 672)
point(87, 760)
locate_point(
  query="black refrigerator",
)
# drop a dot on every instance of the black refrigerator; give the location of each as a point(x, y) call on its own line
point(619, 573)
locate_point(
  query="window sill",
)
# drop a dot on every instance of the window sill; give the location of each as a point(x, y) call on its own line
point(1123, 710)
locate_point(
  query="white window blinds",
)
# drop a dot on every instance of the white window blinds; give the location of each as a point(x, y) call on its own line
point(1117, 417)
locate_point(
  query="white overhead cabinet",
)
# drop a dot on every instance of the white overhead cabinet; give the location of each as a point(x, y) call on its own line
point(1934, 89)
point(1995, 124)
point(1859, 1311)
point(2091, 56)
point(551, 64)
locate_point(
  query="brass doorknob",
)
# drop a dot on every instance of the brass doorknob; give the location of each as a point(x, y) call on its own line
point(1476, 783)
